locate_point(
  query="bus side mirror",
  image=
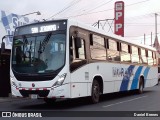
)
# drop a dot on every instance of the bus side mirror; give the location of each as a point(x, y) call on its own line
point(78, 42)
point(3, 43)
point(2, 47)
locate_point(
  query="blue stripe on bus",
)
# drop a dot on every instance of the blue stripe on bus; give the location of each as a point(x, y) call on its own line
point(136, 77)
point(146, 74)
point(126, 78)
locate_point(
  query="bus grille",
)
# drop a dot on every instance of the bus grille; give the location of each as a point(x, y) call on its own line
point(40, 93)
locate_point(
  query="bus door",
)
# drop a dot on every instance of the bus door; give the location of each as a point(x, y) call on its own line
point(78, 67)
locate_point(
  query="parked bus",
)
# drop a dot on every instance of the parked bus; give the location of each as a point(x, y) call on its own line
point(66, 59)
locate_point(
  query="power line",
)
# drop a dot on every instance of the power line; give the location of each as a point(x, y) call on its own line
point(72, 3)
point(107, 9)
point(148, 35)
point(141, 16)
point(134, 24)
point(86, 7)
point(86, 12)
point(140, 25)
point(137, 3)
point(100, 6)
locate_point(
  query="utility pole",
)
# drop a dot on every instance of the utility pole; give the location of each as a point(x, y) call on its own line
point(156, 43)
point(156, 37)
point(144, 39)
point(151, 39)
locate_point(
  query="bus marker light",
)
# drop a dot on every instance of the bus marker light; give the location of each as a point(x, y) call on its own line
point(37, 89)
point(30, 88)
point(44, 88)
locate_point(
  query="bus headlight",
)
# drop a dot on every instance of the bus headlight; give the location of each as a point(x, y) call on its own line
point(60, 80)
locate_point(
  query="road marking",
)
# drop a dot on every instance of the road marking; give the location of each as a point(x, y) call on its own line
point(125, 101)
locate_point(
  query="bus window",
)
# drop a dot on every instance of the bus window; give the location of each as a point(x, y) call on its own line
point(125, 53)
point(143, 57)
point(98, 50)
point(77, 55)
point(81, 51)
point(150, 58)
point(154, 58)
point(113, 51)
point(135, 56)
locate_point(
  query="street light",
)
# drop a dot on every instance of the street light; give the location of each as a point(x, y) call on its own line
point(38, 13)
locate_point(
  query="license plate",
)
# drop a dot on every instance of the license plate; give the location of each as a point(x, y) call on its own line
point(33, 96)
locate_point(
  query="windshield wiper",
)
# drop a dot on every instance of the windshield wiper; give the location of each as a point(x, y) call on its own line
point(43, 44)
point(25, 42)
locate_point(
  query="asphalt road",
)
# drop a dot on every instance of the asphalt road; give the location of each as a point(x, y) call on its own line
point(128, 101)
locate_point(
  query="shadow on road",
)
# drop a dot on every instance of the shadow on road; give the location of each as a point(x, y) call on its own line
point(78, 102)
point(117, 95)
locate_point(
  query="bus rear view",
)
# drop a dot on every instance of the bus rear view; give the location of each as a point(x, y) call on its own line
point(39, 59)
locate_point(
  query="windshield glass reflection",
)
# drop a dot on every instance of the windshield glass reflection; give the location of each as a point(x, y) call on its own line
point(39, 54)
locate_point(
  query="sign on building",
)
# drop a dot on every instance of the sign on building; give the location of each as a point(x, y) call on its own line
point(119, 18)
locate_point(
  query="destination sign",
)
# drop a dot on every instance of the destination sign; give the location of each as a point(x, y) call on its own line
point(41, 27)
point(44, 28)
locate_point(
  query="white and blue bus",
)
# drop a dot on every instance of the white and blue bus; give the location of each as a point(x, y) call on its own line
point(62, 59)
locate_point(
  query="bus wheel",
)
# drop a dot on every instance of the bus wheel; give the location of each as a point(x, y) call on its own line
point(95, 92)
point(49, 100)
point(158, 82)
point(141, 86)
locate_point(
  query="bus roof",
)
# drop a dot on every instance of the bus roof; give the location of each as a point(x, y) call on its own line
point(114, 36)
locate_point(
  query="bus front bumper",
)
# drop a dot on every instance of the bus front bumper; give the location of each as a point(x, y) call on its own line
point(36, 93)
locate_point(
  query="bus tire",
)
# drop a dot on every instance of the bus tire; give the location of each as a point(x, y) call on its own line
point(141, 86)
point(95, 93)
point(49, 101)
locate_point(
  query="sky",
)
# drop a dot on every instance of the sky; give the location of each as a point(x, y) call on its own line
point(139, 14)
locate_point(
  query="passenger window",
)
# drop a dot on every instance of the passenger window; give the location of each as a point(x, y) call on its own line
point(81, 51)
point(125, 53)
point(113, 51)
point(135, 55)
point(143, 57)
point(98, 50)
point(155, 58)
point(77, 55)
point(150, 58)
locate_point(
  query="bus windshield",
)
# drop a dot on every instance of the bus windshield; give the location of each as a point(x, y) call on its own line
point(38, 53)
